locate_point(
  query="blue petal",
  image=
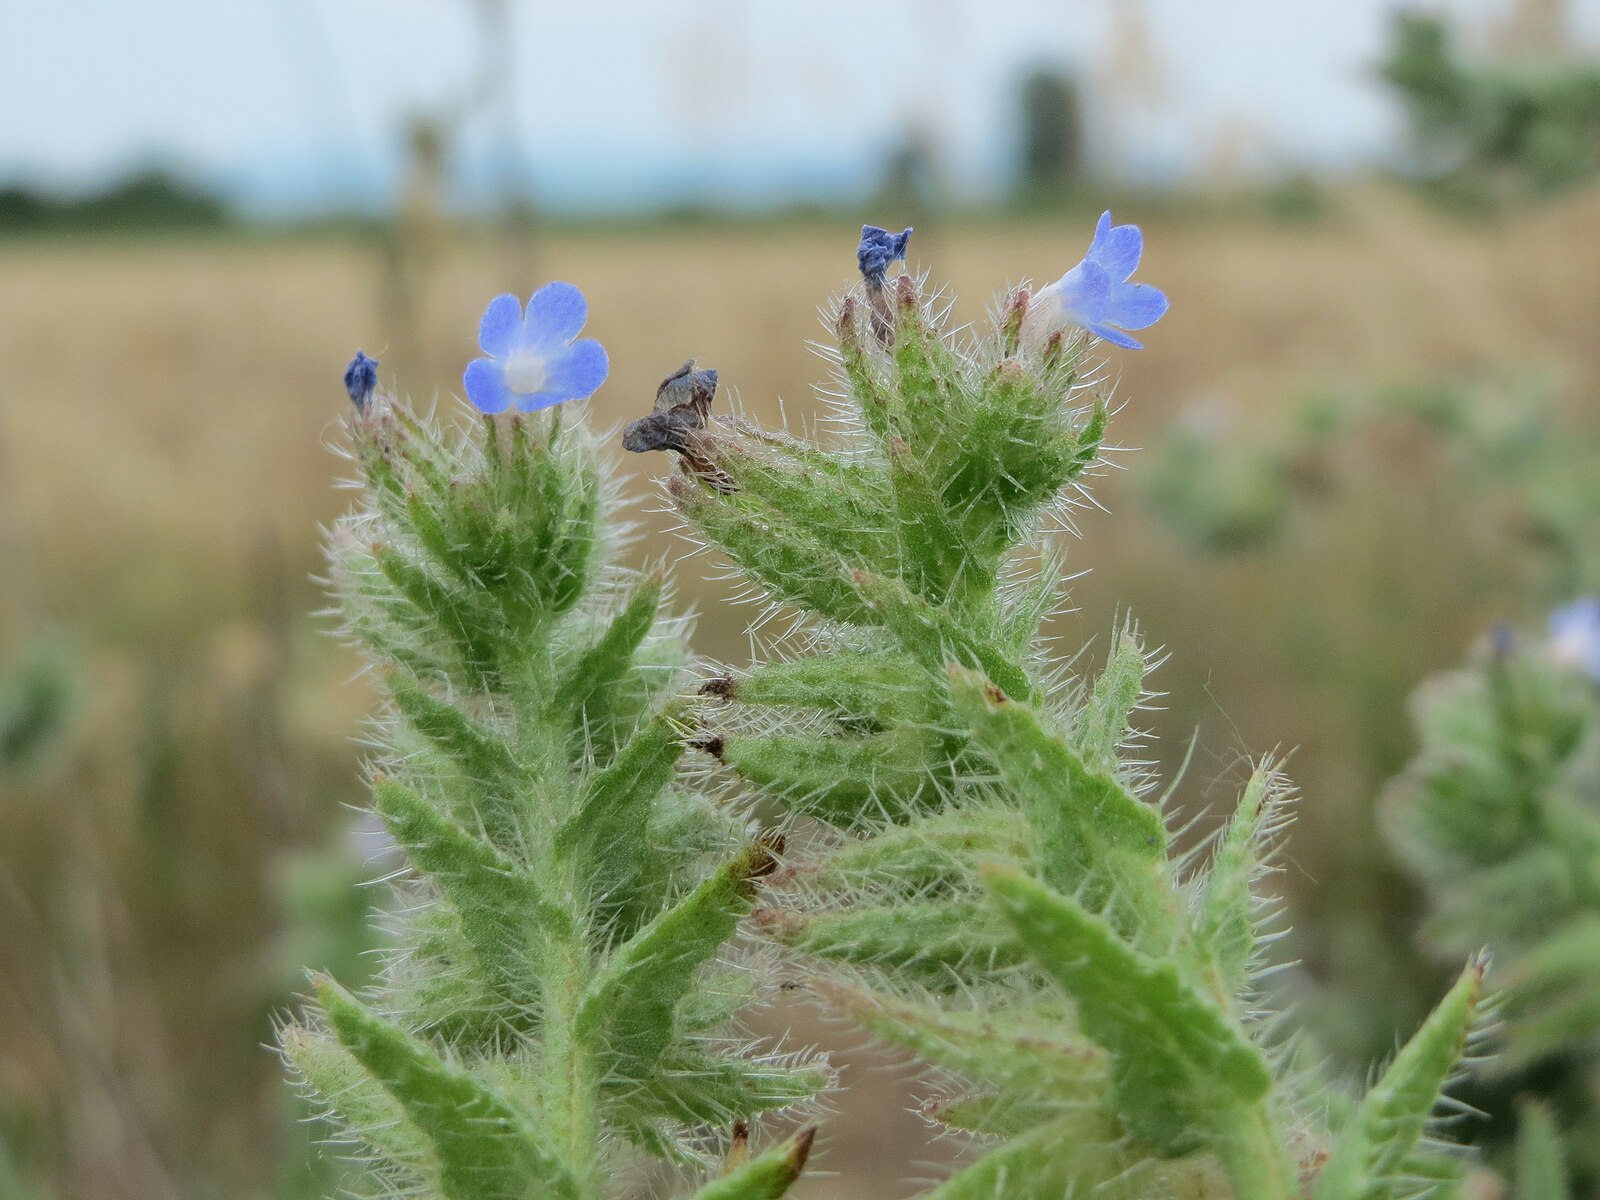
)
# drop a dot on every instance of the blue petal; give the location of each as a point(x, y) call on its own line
point(878, 249)
point(1136, 305)
point(572, 375)
point(1085, 291)
point(1117, 248)
point(1581, 616)
point(501, 325)
point(485, 381)
point(1115, 336)
point(556, 312)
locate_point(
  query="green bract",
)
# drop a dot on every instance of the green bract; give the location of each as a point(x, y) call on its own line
point(554, 1013)
point(989, 885)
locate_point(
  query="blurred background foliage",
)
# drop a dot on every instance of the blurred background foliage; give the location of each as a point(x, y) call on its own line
point(1367, 431)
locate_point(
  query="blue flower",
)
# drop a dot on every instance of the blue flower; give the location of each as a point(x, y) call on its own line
point(532, 360)
point(361, 379)
point(1096, 294)
point(1575, 636)
point(878, 249)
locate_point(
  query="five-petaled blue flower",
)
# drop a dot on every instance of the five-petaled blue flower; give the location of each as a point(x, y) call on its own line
point(1096, 294)
point(1575, 636)
point(532, 360)
point(878, 249)
point(361, 378)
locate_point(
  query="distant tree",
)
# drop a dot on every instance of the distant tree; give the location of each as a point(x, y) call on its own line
point(149, 199)
point(1052, 133)
point(1530, 125)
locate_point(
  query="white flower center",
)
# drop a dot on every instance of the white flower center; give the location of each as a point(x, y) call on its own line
point(524, 372)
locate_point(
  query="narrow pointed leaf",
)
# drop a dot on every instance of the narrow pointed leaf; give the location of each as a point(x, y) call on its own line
point(698, 1088)
point(481, 754)
point(1096, 840)
point(365, 1110)
point(765, 1177)
point(487, 1147)
point(503, 915)
point(1225, 926)
point(889, 688)
point(845, 780)
point(940, 942)
point(609, 831)
point(1022, 1055)
point(935, 637)
point(1111, 704)
point(585, 693)
point(926, 855)
point(1179, 1063)
point(629, 1010)
point(1372, 1153)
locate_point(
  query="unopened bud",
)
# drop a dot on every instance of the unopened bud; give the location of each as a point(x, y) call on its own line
point(361, 379)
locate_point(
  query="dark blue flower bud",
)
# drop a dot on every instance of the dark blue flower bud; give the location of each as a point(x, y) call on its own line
point(361, 379)
point(878, 249)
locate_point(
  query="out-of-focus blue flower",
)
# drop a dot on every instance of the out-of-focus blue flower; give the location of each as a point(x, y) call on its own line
point(878, 249)
point(1575, 636)
point(361, 379)
point(532, 360)
point(1096, 294)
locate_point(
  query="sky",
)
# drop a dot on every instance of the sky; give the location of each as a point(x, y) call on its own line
point(295, 106)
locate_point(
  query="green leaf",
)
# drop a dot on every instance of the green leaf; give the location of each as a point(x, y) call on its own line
point(926, 856)
point(458, 616)
point(941, 942)
point(845, 780)
point(765, 1177)
point(793, 563)
point(585, 693)
point(937, 557)
point(487, 1146)
point(629, 1008)
point(364, 1109)
point(608, 834)
point(844, 507)
point(1010, 458)
point(935, 636)
point(1096, 840)
point(992, 1114)
point(1541, 1168)
point(886, 689)
point(504, 916)
point(1225, 925)
point(482, 755)
point(1111, 704)
point(1372, 1154)
point(1081, 1154)
point(1015, 1051)
point(1179, 1063)
point(695, 1087)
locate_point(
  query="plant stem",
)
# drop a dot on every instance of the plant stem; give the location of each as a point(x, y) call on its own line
point(571, 1083)
point(1254, 1155)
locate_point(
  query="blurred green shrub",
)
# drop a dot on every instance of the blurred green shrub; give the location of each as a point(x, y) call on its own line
point(1517, 468)
point(35, 707)
point(1482, 130)
point(1373, 530)
point(1498, 816)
